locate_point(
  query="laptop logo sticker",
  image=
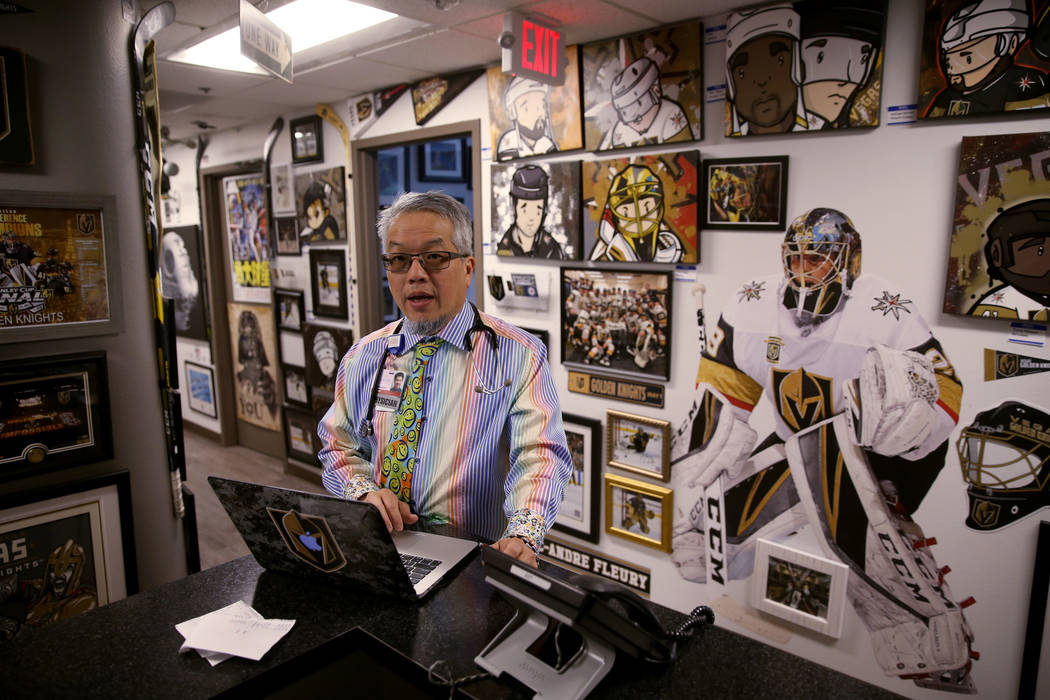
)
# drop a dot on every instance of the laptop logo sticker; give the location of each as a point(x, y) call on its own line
point(309, 538)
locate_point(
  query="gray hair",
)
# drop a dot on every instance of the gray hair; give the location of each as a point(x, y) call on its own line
point(435, 202)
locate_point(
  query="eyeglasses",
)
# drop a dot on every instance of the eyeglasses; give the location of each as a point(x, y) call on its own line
point(431, 260)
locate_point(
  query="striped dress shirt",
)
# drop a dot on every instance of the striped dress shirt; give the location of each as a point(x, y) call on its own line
point(493, 461)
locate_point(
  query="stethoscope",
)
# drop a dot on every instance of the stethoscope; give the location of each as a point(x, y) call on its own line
point(481, 387)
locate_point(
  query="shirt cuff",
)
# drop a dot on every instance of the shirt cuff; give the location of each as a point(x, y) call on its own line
point(358, 486)
point(529, 526)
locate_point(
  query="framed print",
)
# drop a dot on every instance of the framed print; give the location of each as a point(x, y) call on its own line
point(281, 178)
point(60, 277)
point(638, 444)
point(536, 210)
point(431, 95)
point(287, 235)
point(543, 335)
point(299, 429)
point(641, 209)
point(638, 511)
point(996, 265)
point(616, 321)
point(54, 413)
point(799, 587)
point(328, 282)
point(16, 143)
point(320, 196)
point(183, 277)
point(643, 89)
point(746, 193)
point(442, 161)
point(307, 139)
point(248, 236)
point(200, 385)
point(290, 313)
point(296, 391)
point(391, 173)
point(808, 65)
point(323, 348)
point(252, 343)
point(578, 514)
point(74, 546)
point(991, 59)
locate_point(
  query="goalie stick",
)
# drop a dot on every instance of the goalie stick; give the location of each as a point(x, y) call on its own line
point(147, 121)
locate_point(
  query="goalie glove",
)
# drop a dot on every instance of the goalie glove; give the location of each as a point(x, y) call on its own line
point(890, 406)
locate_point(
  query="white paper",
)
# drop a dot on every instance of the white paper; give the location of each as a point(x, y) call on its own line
point(236, 630)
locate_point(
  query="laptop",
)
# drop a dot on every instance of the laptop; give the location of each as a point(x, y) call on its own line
point(344, 542)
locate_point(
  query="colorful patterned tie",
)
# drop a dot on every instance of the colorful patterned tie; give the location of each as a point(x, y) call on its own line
point(399, 458)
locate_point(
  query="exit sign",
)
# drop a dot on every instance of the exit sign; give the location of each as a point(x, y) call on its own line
point(532, 49)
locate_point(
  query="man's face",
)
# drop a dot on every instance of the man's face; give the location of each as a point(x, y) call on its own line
point(1031, 269)
point(761, 70)
point(530, 109)
point(635, 219)
point(422, 295)
point(971, 62)
point(528, 215)
point(835, 67)
point(810, 270)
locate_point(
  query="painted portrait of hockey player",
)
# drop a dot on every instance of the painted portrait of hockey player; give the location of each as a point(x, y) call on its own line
point(996, 265)
point(984, 57)
point(864, 400)
point(530, 118)
point(321, 205)
point(536, 210)
point(1005, 458)
point(748, 193)
point(255, 358)
point(643, 89)
point(641, 209)
point(324, 347)
point(248, 235)
point(804, 66)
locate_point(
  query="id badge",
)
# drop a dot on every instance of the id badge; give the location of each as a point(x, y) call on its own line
point(391, 384)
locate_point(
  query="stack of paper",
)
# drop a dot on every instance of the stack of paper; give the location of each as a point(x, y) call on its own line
point(236, 630)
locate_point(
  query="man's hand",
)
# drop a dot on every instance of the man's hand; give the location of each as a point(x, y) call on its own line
point(516, 547)
point(396, 513)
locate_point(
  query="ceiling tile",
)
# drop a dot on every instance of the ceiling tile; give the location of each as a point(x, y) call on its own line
point(427, 10)
point(219, 83)
point(444, 51)
point(357, 75)
point(278, 92)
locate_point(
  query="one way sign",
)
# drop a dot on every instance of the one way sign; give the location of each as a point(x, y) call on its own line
point(266, 44)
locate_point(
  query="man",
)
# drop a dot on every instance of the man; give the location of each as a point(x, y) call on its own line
point(645, 115)
point(527, 103)
point(529, 192)
point(1016, 254)
point(488, 453)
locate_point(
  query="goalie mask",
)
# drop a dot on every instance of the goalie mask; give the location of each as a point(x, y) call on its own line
point(636, 199)
point(1005, 459)
point(821, 260)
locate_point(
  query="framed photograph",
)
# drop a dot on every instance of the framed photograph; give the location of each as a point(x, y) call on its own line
point(87, 524)
point(638, 511)
point(281, 177)
point(328, 282)
point(296, 391)
point(638, 444)
point(799, 587)
point(1035, 656)
point(287, 235)
point(60, 275)
point(746, 193)
point(307, 139)
point(442, 161)
point(299, 429)
point(290, 309)
point(54, 413)
point(616, 321)
point(200, 388)
point(391, 173)
point(578, 515)
point(183, 278)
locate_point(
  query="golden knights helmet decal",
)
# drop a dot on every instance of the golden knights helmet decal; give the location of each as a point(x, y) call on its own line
point(636, 199)
point(309, 538)
point(1005, 460)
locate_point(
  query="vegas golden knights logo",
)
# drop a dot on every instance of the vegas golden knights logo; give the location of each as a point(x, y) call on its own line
point(985, 513)
point(773, 345)
point(309, 538)
point(496, 287)
point(86, 223)
point(1007, 364)
point(802, 399)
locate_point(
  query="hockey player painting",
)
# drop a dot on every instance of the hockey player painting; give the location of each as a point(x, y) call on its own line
point(535, 210)
point(864, 399)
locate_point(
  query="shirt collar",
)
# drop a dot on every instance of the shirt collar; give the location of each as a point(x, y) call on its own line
point(454, 332)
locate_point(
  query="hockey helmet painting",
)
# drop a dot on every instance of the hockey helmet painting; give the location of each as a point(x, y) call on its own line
point(1005, 458)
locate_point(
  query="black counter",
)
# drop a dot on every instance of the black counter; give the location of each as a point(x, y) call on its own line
point(130, 648)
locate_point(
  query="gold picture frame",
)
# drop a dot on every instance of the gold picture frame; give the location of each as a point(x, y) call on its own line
point(631, 447)
point(637, 511)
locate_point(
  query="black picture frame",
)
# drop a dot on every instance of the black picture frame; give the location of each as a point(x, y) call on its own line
point(543, 335)
point(328, 266)
point(71, 391)
point(287, 237)
point(200, 389)
point(323, 348)
point(392, 173)
point(1033, 638)
point(643, 303)
point(299, 429)
point(443, 160)
point(307, 139)
point(764, 184)
point(584, 436)
point(296, 388)
point(190, 295)
point(291, 309)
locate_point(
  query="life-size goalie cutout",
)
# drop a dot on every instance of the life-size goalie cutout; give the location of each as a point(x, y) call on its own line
point(845, 357)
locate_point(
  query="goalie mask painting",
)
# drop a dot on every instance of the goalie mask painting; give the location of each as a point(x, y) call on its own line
point(864, 400)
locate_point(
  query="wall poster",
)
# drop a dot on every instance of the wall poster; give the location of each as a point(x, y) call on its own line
point(247, 232)
point(253, 345)
point(321, 202)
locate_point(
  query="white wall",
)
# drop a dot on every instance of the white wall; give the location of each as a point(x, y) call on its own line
point(897, 183)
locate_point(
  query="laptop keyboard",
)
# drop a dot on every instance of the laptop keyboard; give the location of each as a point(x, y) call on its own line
point(418, 567)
